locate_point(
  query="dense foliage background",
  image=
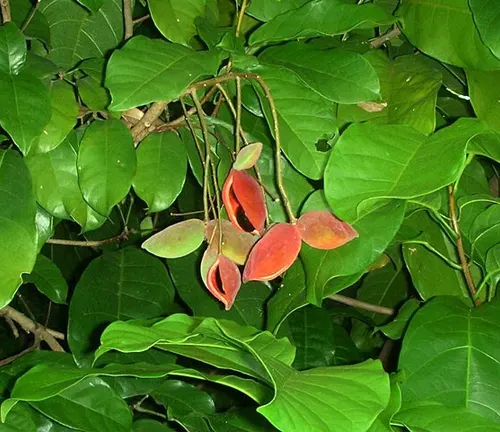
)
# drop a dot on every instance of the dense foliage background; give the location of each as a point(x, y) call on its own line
point(118, 120)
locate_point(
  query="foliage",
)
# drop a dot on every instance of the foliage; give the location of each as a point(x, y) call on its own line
point(249, 215)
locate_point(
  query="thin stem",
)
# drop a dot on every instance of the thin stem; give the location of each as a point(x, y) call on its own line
point(5, 9)
point(138, 407)
point(460, 246)
point(141, 19)
point(191, 213)
point(381, 40)
point(30, 16)
point(435, 251)
point(127, 18)
point(362, 305)
point(238, 113)
point(240, 16)
point(34, 346)
point(91, 243)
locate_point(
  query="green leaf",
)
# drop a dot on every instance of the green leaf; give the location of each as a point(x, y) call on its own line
point(161, 170)
point(17, 224)
point(493, 263)
point(38, 27)
point(371, 162)
point(49, 280)
point(77, 35)
point(376, 229)
point(64, 117)
point(91, 88)
point(304, 118)
point(266, 10)
point(384, 422)
point(12, 49)
point(92, 5)
point(444, 29)
point(125, 284)
point(146, 425)
point(25, 108)
point(320, 18)
point(338, 75)
point(445, 333)
point(44, 226)
point(485, 232)
point(55, 179)
point(147, 70)
point(248, 308)
point(176, 18)
point(434, 417)
point(395, 329)
point(23, 418)
point(409, 86)
point(486, 144)
point(41, 67)
point(106, 164)
point(485, 96)
point(486, 13)
point(318, 399)
point(240, 420)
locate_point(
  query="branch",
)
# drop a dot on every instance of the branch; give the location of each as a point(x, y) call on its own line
point(381, 40)
point(460, 245)
point(362, 305)
point(91, 243)
point(34, 346)
point(141, 19)
point(29, 326)
point(5, 8)
point(127, 18)
point(240, 16)
point(30, 16)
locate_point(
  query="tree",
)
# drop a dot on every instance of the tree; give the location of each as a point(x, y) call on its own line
point(254, 215)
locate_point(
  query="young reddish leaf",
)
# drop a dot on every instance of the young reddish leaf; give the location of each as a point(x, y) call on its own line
point(223, 280)
point(322, 230)
point(244, 202)
point(248, 156)
point(177, 240)
point(236, 244)
point(273, 254)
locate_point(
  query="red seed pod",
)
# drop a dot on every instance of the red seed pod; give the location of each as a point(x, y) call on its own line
point(244, 202)
point(273, 254)
point(223, 279)
point(322, 230)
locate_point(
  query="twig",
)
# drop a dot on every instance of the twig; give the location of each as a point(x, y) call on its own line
point(5, 8)
point(140, 130)
point(34, 346)
point(12, 326)
point(191, 213)
point(238, 113)
point(460, 245)
point(127, 19)
point(385, 354)
point(240, 16)
point(362, 305)
point(29, 326)
point(141, 19)
point(138, 407)
point(91, 243)
point(381, 40)
point(30, 16)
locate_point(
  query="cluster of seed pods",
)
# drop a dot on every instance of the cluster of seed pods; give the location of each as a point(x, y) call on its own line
point(265, 252)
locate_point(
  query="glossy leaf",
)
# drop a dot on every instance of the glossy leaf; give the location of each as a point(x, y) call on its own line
point(176, 240)
point(248, 156)
point(106, 164)
point(176, 19)
point(486, 14)
point(444, 29)
point(25, 108)
point(12, 49)
point(338, 75)
point(486, 144)
point(24, 418)
point(322, 230)
point(223, 280)
point(49, 280)
point(55, 179)
point(37, 27)
point(17, 224)
point(147, 70)
point(146, 425)
point(92, 5)
point(320, 18)
point(493, 263)
point(64, 117)
point(91, 87)
point(274, 253)
point(265, 10)
point(396, 328)
point(111, 288)
point(485, 96)
point(161, 170)
point(76, 34)
point(398, 157)
point(429, 358)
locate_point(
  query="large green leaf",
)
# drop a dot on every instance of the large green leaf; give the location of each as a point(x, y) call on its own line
point(147, 70)
point(409, 86)
point(91, 87)
point(125, 284)
point(23, 418)
point(266, 10)
point(76, 34)
point(486, 144)
point(49, 280)
point(55, 178)
point(12, 49)
point(106, 164)
point(161, 170)
point(18, 235)
point(485, 96)
point(176, 18)
point(64, 117)
point(338, 75)
point(371, 162)
point(25, 107)
point(319, 399)
point(320, 18)
point(444, 29)
point(92, 5)
point(146, 425)
point(37, 28)
point(451, 355)
point(304, 118)
point(486, 14)
point(485, 232)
